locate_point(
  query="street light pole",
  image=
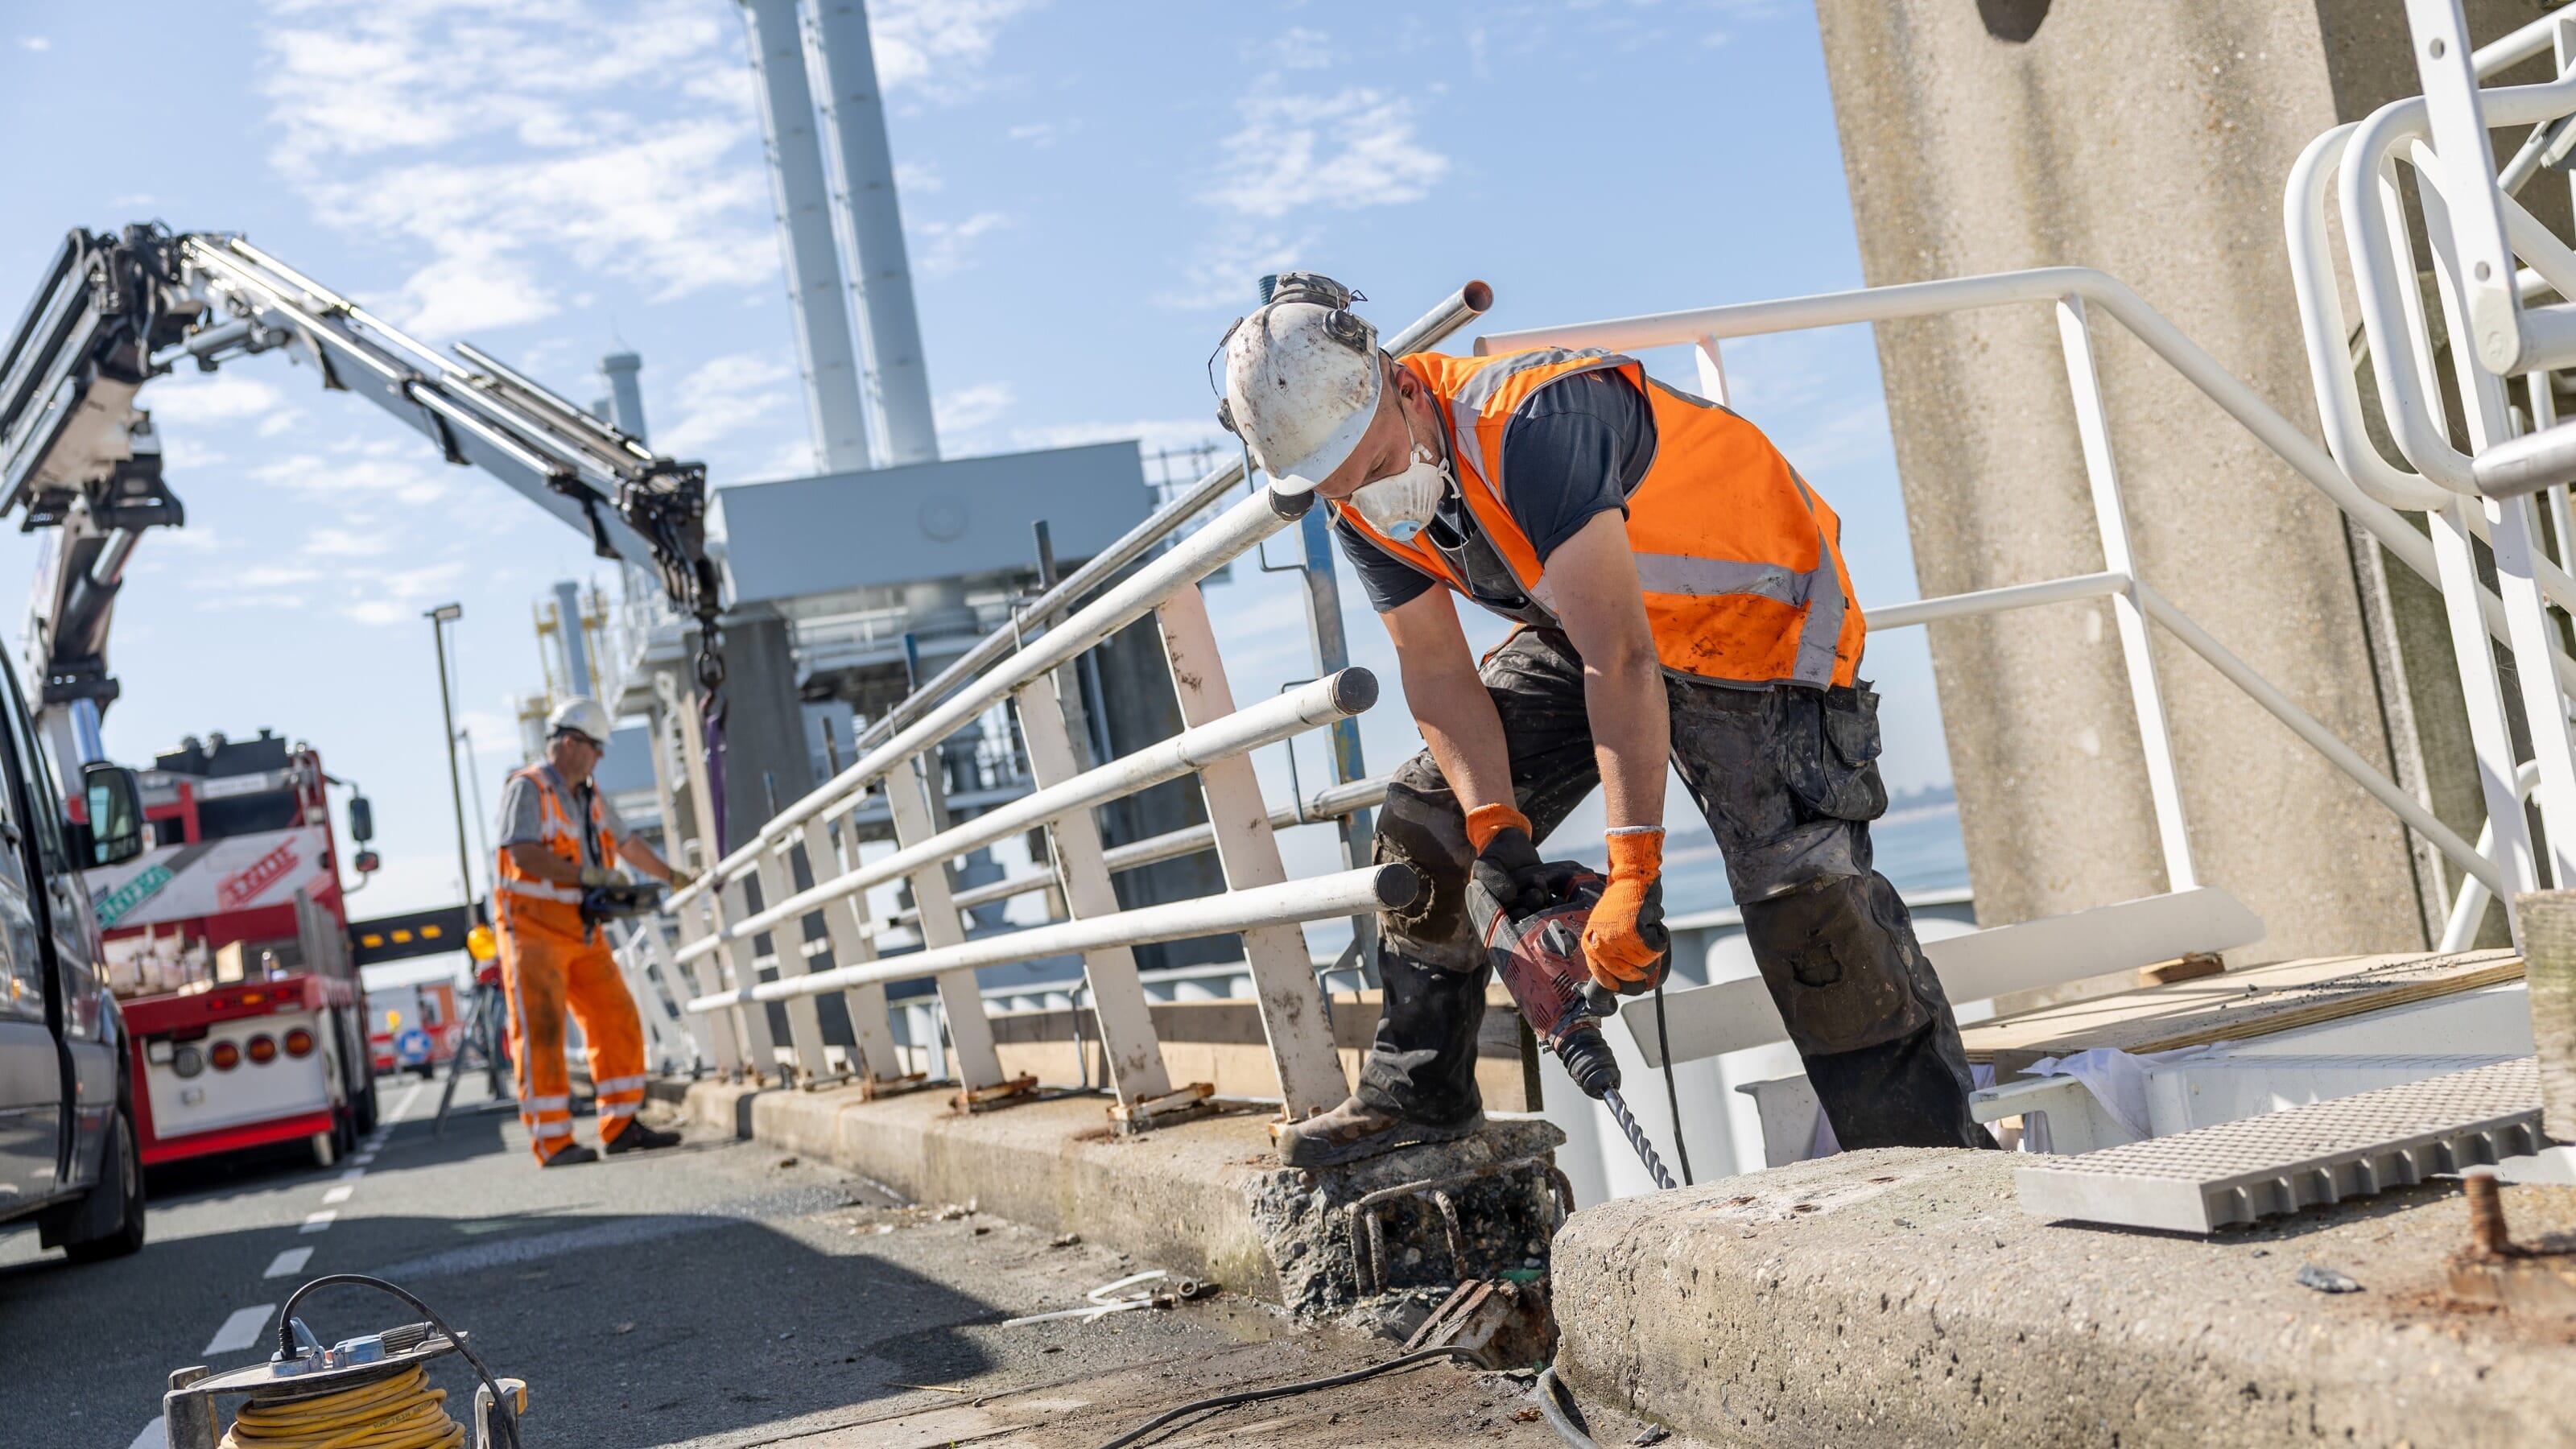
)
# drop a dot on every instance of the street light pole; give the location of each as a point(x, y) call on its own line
point(439, 618)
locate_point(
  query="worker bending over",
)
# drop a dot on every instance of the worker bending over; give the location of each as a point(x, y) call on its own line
point(1681, 595)
point(560, 837)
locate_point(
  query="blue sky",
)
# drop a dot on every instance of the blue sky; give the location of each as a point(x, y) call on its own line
point(1089, 191)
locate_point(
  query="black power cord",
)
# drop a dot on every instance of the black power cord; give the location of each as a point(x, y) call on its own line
point(1550, 1387)
point(286, 1348)
point(1672, 1093)
point(1281, 1391)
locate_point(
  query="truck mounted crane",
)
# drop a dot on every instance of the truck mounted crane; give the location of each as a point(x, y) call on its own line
point(116, 310)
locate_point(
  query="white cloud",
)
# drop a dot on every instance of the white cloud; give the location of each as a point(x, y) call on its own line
point(723, 396)
point(917, 176)
point(969, 408)
point(1151, 434)
point(936, 46)
point(944, 244)
point(1223, 270)
point(1297, 48)
point(191, 400)
point(36, 43)
point(1349, 150)
point(400, 596)
point(1040, 134)
point(355, 475)
point(342, 543)
point(493, 138)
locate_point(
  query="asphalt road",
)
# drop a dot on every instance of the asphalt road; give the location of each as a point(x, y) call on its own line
point(716, 1294)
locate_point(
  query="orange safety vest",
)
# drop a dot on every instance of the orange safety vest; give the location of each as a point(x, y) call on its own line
point(1739, 560)
point(528, 903)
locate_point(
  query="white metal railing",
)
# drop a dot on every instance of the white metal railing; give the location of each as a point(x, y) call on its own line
point(896, 777)
point(2074, 293)
point(2490, 261)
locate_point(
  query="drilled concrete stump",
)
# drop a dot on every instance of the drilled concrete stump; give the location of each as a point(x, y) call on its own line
point(1901, 1297)
point(1205, 1198)
point(2549, 965)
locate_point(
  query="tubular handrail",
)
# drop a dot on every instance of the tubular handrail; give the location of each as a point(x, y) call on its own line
point(2039, 284)
point(1704, 326)
point(1315, 703)
point(888, 738)
point(1351, 892)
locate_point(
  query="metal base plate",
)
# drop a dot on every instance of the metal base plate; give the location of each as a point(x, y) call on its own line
point(2324, 1152)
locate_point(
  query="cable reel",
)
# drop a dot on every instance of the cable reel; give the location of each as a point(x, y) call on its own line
point(372, 1390)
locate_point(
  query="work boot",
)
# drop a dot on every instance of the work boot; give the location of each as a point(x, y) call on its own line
point(571, 1155)
point(636, 1137)
point(1355, 1130)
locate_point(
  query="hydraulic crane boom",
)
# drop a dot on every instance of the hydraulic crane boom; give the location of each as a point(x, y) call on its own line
point(117, 310)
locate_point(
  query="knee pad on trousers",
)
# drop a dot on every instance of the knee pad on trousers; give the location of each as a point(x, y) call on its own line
point(1840, 963)
point(1431, 837)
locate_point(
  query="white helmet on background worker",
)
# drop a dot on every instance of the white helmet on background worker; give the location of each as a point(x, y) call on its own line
point(1303, 380)
point(581, 715)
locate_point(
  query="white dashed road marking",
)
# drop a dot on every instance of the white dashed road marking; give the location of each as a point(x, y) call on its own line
point(290, 1262)
point(155, 1435)
point(353, 1174)
point(402, 1108)
point(241, 1330)
point(338, 1194)
point(316, 1222)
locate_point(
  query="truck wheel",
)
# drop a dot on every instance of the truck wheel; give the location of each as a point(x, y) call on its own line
point(364, 1097)
point(120, 1183)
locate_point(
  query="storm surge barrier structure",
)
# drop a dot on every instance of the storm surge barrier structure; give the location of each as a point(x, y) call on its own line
point(1153, 570)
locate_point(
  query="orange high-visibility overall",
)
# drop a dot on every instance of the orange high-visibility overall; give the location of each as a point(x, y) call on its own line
point(550, 962)
point(1739, 560)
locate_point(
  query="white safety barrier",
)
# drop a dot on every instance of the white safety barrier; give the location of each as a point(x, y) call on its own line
point(897, 774)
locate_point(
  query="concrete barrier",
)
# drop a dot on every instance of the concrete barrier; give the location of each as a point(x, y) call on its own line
point(1901, 1297)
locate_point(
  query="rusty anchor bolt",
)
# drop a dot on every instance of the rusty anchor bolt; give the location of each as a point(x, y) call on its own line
point(2488, 1238)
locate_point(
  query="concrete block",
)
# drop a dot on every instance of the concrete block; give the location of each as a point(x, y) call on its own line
point(1207, 1198)
point(1900, 1297)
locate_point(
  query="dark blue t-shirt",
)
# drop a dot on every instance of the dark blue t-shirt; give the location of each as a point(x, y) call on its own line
point(1575, 450)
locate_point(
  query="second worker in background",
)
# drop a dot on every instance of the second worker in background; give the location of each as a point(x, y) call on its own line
point(1681, 596)
point(559, 838)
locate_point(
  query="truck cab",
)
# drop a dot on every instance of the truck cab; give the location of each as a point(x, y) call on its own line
point(70, 1155)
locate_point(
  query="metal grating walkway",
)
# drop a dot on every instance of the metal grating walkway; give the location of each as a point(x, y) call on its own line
point(2324, 1152)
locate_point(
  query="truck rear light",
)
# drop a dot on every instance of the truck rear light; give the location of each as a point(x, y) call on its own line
point(299, 1042)
point(187, 1061)
point(224, 1055)
point(263, 1049)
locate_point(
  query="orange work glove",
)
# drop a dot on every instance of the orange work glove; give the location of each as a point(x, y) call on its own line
point(1625, 944)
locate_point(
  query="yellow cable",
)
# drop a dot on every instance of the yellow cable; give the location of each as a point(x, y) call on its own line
point(402, 1412)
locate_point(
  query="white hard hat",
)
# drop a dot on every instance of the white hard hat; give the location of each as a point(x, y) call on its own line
point(1301, 380)
point(582, 715)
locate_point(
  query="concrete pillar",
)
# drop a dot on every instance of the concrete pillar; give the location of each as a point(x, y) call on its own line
point(854, 113)
point(825, 346)
point(764, 723)
point(2151, 140)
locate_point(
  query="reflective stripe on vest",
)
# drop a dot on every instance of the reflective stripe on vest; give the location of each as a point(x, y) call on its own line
point(556, 832)
point(1737, 558)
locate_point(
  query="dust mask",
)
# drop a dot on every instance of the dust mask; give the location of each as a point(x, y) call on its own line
point(1400, 506)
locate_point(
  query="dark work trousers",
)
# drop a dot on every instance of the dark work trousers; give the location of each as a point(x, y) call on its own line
point(1788, 779)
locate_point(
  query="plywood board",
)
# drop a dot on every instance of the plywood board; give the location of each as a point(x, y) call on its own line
point(2235, 1005)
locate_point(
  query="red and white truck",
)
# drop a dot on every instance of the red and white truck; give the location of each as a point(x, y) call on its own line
point(227, 946)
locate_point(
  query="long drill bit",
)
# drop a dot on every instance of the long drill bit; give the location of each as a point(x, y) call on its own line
point(1636, 1137)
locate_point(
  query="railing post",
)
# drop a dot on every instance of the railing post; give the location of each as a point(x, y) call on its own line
point(1712, 370)
point(1332, 652)
point(2529, 631)
point(2146, 693)
point(760, 1044)
point(908, 799)
point(1283, 970)
point(1135, 1055)
point(787, 942)
point(714, 1032)
point(876, 1064)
